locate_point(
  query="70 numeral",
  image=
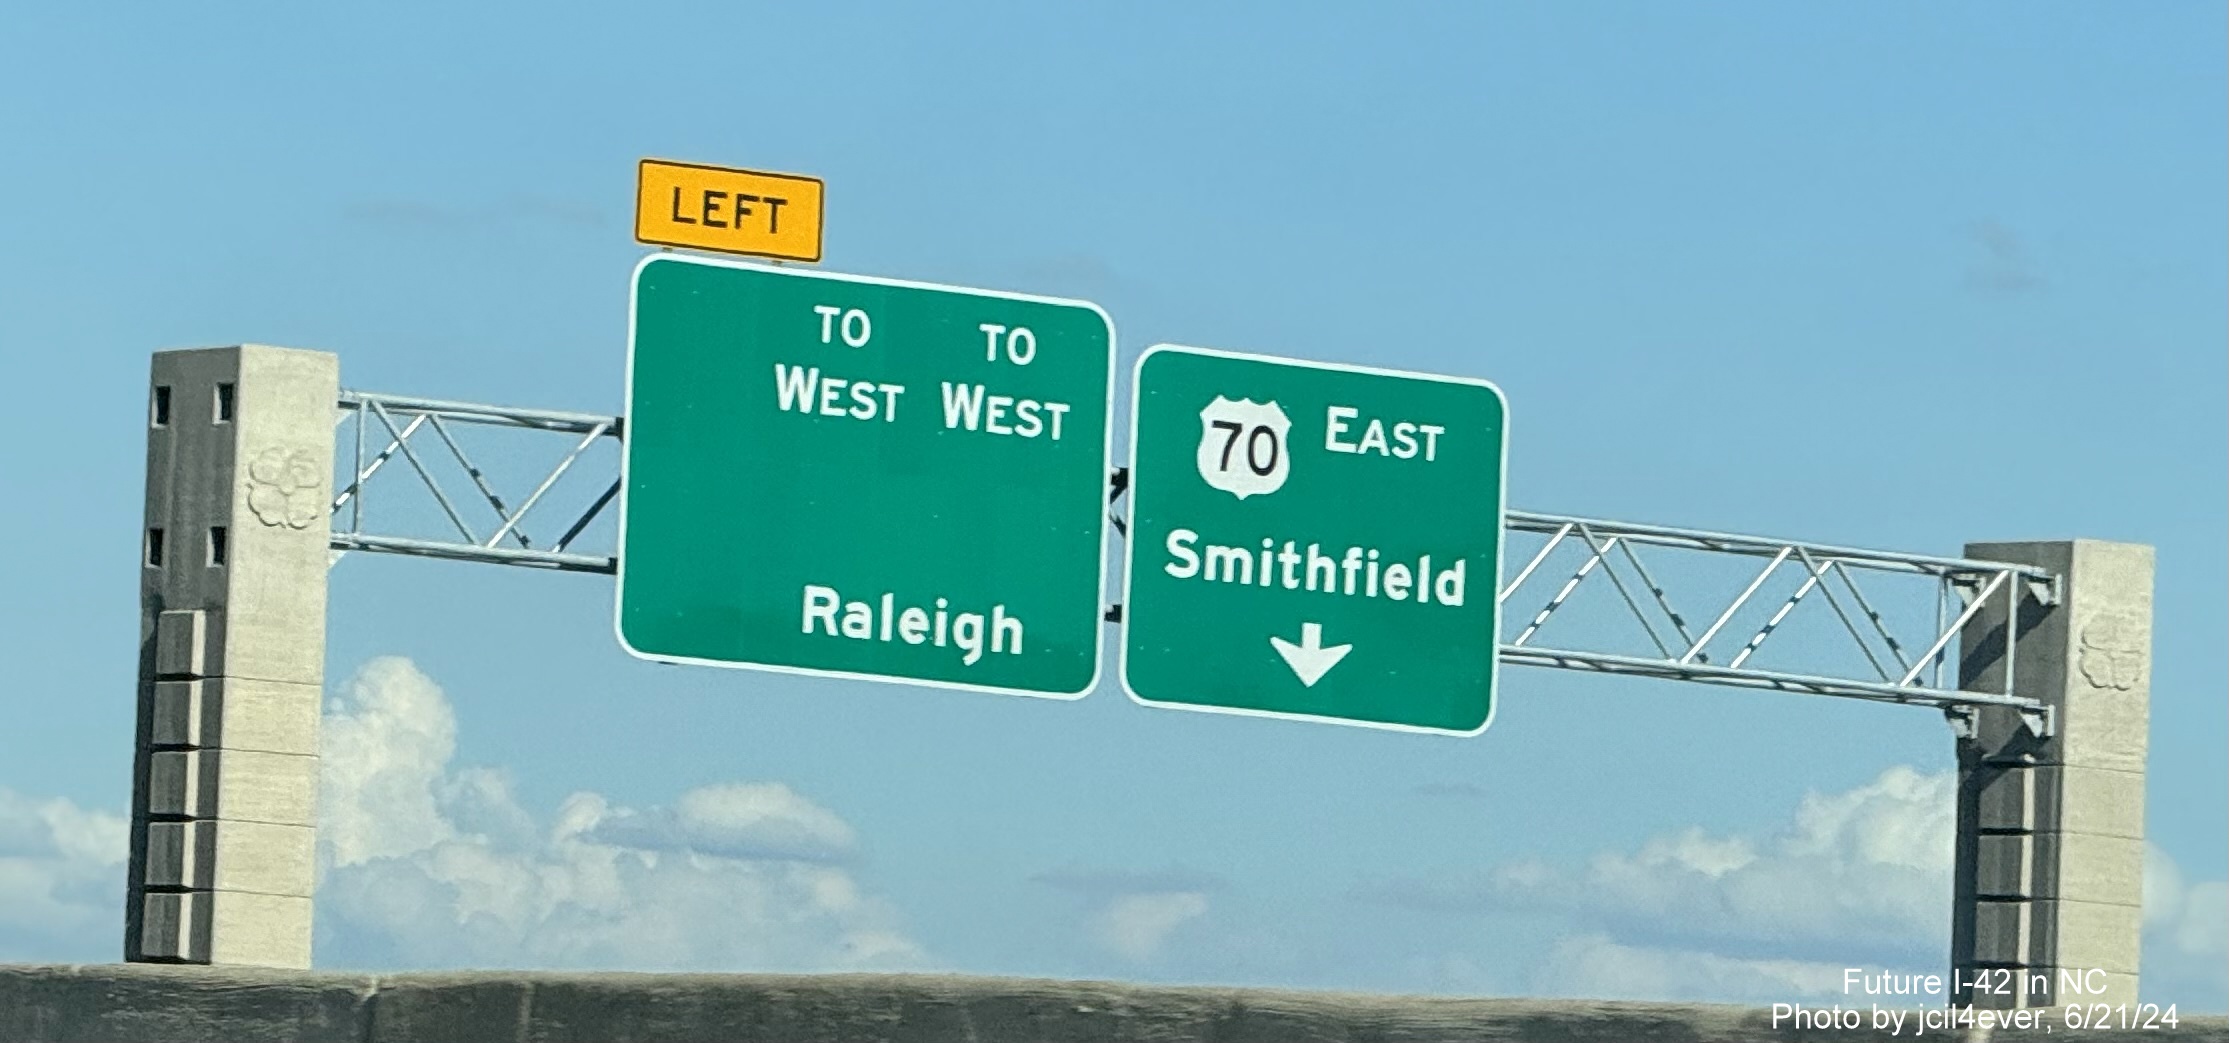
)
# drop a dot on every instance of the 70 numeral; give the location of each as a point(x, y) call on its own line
point(1254, 438)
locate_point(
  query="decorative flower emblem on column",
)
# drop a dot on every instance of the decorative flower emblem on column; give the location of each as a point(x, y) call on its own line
point(284, 487)
point(2113, 650)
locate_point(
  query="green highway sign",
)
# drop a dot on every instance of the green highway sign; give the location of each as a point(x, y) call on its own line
point(1314, 541)
point(838, 475)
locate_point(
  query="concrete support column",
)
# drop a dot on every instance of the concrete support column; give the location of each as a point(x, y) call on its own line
point(2050, 862)
point(232, 656)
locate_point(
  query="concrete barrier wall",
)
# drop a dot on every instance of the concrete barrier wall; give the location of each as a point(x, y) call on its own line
point(138, 1003)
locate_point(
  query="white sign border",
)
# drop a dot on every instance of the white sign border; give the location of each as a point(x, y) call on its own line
point(1130, 544)
point(1106, 468)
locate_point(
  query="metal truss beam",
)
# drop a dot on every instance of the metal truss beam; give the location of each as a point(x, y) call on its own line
point(437, 416)
point(1679, 646)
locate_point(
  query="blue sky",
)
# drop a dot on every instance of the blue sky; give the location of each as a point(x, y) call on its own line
point(1901, 275)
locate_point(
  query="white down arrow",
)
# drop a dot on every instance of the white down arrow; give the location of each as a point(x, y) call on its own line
point(1310, 659)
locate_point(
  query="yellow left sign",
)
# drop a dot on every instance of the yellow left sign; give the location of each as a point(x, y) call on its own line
point(729, 210)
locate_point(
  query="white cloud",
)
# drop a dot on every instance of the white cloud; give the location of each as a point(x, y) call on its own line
point(1135, 926)
point(1592, 965)
point(1860, 878)
point(387, 739)
point(430, 865)
point(61, 880)
point(2186, 918)
point(1134, 912)
point(1869, 866)
point(744, 820)
point(2186, 936)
